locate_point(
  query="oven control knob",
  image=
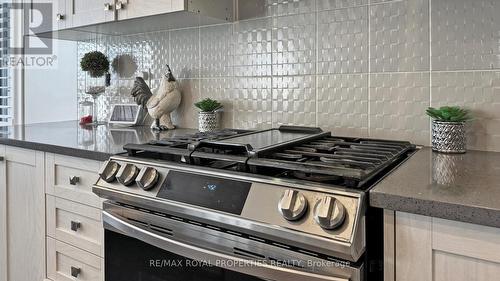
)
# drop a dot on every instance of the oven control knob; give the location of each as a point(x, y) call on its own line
point(109, 170)
point(292, 205)
point(329, 213)
point(127, 173)
point(147, 178)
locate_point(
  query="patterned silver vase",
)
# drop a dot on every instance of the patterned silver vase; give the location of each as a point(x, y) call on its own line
point(449, 137)
point(208, 121)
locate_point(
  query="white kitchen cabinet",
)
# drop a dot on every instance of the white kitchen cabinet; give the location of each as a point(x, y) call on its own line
point(68, 263)
point(75, 224)
point(22, 215)
point(128, 9)
point(72, 178)
point(86, 12)
point(76, 13)
point(60, 19)
point(75, 234)
point(426, 248)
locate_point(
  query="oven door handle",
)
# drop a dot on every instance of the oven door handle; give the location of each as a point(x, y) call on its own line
point(249, 267)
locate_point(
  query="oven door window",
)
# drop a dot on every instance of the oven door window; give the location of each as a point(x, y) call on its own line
point(133, 260)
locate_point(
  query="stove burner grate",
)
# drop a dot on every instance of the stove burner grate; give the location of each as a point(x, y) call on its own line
point(317, 157)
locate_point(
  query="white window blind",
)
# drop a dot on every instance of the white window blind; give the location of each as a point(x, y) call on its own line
point(5, 78)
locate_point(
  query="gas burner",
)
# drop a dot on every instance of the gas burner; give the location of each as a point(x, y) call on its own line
point(196, 137)
point(287, 156)
point(215, 134)
point(310, 153)
point(320, 146)
point(346, 162)
point(304, 148)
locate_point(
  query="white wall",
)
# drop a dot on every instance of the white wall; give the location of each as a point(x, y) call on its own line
point(51, 94)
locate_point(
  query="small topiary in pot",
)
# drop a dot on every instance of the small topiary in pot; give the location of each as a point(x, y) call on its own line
point(95, 63)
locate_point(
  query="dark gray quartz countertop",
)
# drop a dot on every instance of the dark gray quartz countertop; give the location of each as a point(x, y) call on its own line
point(69, 138)
point(463, 187)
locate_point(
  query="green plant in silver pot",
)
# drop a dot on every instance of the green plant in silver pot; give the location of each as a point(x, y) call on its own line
point(448, 128)
point(208, 119)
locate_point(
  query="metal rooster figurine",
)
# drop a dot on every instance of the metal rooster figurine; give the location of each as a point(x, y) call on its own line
point(159, 105)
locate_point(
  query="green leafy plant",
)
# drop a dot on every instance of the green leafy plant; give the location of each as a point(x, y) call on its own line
point(208, 105)
point(95, 63)
point(449, 114)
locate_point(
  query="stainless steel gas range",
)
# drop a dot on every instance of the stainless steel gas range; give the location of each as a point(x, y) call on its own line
point(279, 204)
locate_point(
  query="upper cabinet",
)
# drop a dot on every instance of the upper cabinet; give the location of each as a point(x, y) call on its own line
point(59, 15)
point(129, 9)
point(67, 14)
point(74, 18)
point(86, 12)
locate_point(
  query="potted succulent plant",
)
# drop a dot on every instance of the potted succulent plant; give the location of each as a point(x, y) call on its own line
point(207, 117)
point(448, 128)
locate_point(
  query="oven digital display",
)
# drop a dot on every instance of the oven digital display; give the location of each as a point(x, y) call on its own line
point(205, 191)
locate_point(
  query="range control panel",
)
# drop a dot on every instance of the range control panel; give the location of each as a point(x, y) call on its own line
point(319, 213)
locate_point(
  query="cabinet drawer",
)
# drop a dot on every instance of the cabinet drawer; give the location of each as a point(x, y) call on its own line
point(72, 178)
point(76, 224)
point(465, 239)
point(64, 260)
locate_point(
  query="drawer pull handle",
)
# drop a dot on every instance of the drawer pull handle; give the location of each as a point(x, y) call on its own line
point(75, 225)
point(60, 17)
point(75, 271)
point(74, 180)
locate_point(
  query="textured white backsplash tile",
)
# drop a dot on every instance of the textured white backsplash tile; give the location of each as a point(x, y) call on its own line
point(399, 36)
point(252, 47)
point(336, 4)
point(294, 101)
point(397, 106)
point(479, 91)
point(294, 44)
point(355, 67)
point(465, 34)
point(185, 58)
point(216, 51)
point(343, 104)
point(252, 102)
point(343, 41)
point(287, 7)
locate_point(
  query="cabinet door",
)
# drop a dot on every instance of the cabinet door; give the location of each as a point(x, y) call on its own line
point(440, 250)
point(128, 9)
point(60, 17)
point(48, 15)
point(86, 12)
point(22, 210)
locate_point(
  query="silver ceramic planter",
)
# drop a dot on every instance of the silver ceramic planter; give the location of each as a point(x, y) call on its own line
point(449, 137)
point(208, 121)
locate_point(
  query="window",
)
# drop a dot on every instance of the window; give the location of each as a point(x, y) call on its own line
point(5, 79)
